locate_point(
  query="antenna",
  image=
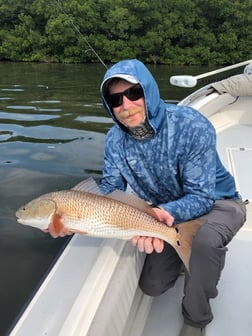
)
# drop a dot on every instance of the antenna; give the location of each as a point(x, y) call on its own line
point(191, 81)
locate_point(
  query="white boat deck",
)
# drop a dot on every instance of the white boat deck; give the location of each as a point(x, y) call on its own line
point(231, 308)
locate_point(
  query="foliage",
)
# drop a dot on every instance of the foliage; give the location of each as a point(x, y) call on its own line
point(178, 32)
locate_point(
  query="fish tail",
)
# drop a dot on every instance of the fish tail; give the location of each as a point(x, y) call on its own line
point(183, 244)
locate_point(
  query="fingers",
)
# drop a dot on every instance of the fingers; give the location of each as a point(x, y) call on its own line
point(164, 216)
point(158, 245)
point(139, 243)
point(148, 244)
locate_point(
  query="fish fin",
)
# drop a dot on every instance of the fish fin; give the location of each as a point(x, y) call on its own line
point(88, 185)
point(132, 200)
point(58, 227)
point(56, 224)
point(183, 244)
point(79, 231)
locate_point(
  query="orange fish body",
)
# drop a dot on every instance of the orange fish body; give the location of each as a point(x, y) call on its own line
point(117, 215)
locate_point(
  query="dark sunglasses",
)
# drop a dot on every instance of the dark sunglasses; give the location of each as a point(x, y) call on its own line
point(133, 93)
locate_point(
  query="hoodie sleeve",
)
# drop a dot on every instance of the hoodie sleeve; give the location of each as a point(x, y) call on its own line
point(198, 176)
point(111, 176)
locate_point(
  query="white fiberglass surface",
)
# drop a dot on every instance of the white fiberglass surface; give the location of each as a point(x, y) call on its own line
point(231, 308)
point(62, 285)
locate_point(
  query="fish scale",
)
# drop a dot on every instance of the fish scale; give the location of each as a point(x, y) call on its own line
point(104, 216)
point(118, 217)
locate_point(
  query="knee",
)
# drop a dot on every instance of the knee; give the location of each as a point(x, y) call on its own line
point(155, 287)
point(206, 237)
point(208, 250)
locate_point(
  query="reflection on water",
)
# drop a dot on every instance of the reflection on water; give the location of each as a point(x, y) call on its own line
point(52, 130)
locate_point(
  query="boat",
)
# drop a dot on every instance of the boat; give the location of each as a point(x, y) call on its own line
point(93, 287)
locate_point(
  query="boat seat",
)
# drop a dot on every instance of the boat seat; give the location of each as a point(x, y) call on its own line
point(214, 103)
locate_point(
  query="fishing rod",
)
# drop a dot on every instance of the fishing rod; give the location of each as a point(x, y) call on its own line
point(78, 31)
point(191, 81)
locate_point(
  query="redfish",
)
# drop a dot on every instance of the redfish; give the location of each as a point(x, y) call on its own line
point(119, 215)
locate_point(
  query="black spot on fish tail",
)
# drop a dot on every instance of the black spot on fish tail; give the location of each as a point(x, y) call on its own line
point(185, 233)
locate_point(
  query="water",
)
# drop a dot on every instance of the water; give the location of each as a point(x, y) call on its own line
point(52, 131)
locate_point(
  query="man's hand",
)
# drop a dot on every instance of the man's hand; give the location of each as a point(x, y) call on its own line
point(149, 244)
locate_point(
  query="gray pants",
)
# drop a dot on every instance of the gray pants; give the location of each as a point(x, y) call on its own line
point(207, 260)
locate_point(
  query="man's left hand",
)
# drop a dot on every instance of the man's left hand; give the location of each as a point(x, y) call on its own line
point(150, 244)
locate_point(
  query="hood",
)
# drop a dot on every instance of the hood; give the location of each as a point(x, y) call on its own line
point(136, 70)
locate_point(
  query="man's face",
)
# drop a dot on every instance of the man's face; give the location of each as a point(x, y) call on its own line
point(131, 112)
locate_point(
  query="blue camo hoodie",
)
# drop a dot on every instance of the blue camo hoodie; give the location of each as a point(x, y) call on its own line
point(178, 168)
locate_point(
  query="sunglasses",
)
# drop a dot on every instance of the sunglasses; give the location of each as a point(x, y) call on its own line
point(133, 93)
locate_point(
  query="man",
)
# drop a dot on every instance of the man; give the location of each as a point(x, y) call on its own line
point(167, 155)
